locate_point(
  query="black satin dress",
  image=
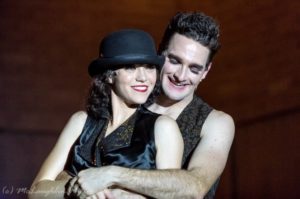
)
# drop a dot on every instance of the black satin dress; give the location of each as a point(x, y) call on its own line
point(131, 145)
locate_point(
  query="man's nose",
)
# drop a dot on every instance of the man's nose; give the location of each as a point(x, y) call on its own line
point(181, 73)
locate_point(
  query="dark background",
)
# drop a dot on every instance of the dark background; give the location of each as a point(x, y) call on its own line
point(45, 47)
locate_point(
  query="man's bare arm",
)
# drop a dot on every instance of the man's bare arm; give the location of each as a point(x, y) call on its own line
point(169, 150)
point(169, 183)
point(206, 165)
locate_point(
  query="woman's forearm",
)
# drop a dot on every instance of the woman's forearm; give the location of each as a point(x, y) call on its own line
point(48, 189)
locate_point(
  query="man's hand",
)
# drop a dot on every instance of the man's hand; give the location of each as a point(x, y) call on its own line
point(91, 181)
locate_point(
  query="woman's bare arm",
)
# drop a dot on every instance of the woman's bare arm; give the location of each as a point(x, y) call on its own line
point(45, 184)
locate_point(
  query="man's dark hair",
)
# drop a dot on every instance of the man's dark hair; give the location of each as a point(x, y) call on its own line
point(196, 26)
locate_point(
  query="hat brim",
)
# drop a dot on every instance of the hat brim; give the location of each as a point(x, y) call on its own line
point(100, 65)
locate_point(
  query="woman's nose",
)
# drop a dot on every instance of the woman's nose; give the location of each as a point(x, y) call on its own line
point(141, 75)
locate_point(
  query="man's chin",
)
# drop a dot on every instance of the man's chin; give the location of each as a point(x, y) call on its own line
point(175, 97)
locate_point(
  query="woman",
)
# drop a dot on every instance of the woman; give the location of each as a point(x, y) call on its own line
point(114, 129)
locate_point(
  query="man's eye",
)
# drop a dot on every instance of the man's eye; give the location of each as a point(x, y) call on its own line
point(196, 70)
point(173, 61)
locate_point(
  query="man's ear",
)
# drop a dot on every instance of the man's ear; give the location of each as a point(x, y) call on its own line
point(207, 70)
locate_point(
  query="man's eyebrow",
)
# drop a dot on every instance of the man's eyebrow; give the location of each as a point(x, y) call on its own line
point(171, 55)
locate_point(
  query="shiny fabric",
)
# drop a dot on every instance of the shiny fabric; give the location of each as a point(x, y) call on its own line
point(190, 122)
point(131, 145)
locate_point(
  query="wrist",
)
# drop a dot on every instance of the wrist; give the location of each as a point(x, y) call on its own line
point(117, 175)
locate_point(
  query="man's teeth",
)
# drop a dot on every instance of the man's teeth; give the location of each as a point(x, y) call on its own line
point(178, 84)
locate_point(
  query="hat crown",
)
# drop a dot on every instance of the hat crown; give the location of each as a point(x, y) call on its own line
point(127, 46)
point(127, 42)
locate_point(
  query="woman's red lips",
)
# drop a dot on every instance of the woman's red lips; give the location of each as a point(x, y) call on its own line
point(140, 88)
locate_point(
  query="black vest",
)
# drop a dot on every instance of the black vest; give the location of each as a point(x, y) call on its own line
point(131, 145)
point(190, 122)
point(133, 138)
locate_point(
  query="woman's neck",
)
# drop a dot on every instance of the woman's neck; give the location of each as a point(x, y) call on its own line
point(120, 111)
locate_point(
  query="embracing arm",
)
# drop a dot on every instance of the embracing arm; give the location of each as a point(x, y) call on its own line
point(205, 166)
point(46, 183)
point(169, 147)
point(169, 151)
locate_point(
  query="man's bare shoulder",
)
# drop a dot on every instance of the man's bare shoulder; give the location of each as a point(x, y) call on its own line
point(219, 116)
point(212, 151)
point(218, 121)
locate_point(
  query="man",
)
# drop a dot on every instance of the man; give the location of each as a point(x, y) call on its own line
point(189, 44)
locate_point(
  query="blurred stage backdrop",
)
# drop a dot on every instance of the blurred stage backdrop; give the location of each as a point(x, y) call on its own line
point(46, 47)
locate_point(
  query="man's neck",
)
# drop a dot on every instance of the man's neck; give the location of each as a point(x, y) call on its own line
point(165, 106)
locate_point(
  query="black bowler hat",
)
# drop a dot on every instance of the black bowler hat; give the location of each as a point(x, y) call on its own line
point(127, 46)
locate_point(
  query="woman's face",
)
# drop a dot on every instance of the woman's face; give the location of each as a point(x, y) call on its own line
point(133, 84)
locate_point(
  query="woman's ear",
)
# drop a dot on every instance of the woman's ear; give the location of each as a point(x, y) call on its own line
point(110, 77)
point(110, 80)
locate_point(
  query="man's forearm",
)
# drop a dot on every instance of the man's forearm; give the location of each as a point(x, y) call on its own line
point(171, 183)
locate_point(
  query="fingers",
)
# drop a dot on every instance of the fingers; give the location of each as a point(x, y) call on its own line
point(75, 189)
point(82, 195)
point(105, 194)
point(70, 185)
point(98, 195)
point(108, 194)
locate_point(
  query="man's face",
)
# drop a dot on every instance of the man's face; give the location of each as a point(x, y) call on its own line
point(184, 67)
